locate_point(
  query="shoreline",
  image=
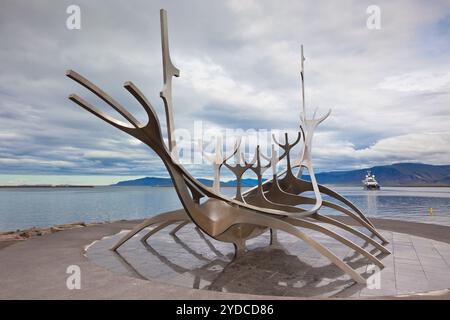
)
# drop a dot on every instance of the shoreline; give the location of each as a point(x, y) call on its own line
point(224, 186)
point(8, 238)
point(47, 186)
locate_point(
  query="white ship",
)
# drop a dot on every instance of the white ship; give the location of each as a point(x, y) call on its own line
point(370, 183)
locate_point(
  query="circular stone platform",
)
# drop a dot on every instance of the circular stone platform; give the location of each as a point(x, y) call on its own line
point(193, 260)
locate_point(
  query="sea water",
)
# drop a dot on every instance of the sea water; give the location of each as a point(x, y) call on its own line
point(27, 207)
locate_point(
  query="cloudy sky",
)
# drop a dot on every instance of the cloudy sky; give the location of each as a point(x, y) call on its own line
point(389, 89)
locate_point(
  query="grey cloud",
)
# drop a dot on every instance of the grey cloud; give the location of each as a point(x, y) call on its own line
point(239, 64)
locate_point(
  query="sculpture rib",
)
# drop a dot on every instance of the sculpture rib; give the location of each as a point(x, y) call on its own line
point(278, 195)
point(176, 215)
point(344, 200)
point(301, 186)
point(286, 227)
point(262, 201)
point(334, 235)
point(275, 194)
point(345, 227)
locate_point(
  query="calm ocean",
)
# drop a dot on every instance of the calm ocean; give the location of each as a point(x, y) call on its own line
point(27, 207)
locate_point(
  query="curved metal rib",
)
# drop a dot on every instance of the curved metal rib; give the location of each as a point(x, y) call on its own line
point(299, 186)
point(260, 200)
point(345, 227)
point(287, 227)
point(176, 215)
point(334, 235)
point(347, 202)
point(277, 195)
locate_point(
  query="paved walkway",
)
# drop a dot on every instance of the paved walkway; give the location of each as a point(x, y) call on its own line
point(36, 268)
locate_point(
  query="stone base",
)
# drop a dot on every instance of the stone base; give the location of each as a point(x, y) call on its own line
point(290, 268)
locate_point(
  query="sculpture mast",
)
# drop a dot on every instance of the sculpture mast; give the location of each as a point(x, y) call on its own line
point(303, 111)
point(169, 71)
point(302, 74)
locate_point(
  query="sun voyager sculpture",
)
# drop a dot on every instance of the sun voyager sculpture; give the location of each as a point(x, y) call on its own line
point(274, 204)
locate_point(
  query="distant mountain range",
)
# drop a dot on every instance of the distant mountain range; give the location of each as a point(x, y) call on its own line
point(167, 182)
point(399, 174)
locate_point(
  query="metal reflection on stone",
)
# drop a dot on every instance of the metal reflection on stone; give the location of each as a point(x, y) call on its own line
point(196, 261)
point(372, 202)
point(277, 204)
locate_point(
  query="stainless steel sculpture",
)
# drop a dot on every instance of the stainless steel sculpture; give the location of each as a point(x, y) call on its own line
point(274, 204)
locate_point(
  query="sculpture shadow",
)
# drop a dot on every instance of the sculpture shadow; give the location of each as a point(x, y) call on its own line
point(265, 270)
